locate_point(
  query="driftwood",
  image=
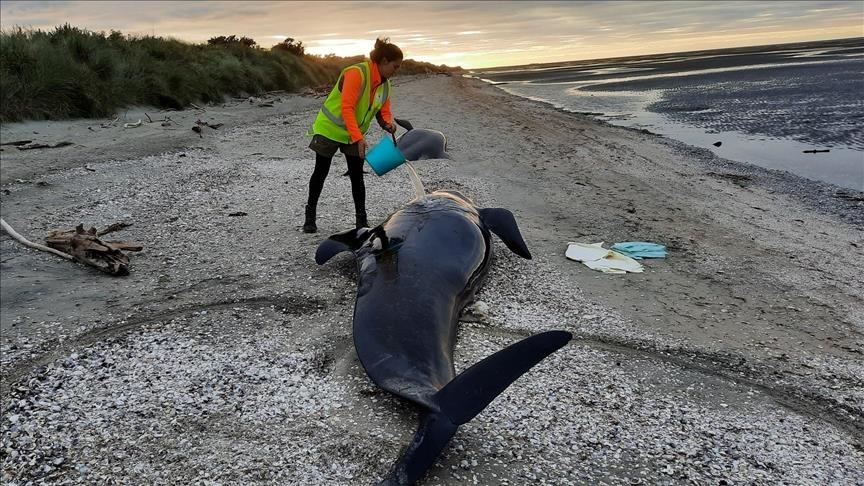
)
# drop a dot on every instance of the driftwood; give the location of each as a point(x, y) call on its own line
point(109, 124)
point(318, 91)
point(85, 246)
point(37, 145)
point(214, 126)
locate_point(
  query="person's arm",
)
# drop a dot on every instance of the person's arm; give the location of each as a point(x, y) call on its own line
point(386, 120)
point(351, 83)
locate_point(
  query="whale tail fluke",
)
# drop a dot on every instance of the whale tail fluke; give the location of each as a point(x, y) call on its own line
point(466, 396)
point(432, 436)
point(473, 389)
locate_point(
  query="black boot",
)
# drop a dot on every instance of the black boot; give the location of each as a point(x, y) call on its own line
point(309, 224)
point(362, 222)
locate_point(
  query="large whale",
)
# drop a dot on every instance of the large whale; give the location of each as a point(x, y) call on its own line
point(417, 271)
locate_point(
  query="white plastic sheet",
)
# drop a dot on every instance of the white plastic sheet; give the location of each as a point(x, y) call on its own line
point(595, 257)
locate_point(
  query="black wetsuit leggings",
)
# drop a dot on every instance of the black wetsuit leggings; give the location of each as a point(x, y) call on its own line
point(355, 173)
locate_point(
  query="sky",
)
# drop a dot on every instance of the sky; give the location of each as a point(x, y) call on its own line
point(471, 34)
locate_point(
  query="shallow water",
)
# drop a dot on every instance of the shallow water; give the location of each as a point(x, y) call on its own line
point(764, 108)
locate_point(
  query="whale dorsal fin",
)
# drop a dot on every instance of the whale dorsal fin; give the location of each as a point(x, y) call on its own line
point(346, 241)
point(501, 222)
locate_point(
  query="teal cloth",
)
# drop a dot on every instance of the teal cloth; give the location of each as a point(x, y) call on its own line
point(640, 249)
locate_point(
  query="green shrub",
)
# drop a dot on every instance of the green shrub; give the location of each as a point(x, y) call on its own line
point(71, 72)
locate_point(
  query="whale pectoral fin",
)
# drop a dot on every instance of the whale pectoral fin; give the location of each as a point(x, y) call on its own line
point(346, 241)
point(328, 249)
point(501, 222)
point(473, 389)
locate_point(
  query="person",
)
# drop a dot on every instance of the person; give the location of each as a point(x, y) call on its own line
point(361, 93)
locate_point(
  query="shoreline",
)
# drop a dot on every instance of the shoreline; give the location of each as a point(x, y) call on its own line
point(728, 103)
point(227, 336)
point(825, 197)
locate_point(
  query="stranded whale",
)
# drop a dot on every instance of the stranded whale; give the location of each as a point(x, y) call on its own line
point(417, 271)
point(421, 143)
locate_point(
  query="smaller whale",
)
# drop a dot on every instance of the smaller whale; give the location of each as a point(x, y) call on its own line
point(421, 143)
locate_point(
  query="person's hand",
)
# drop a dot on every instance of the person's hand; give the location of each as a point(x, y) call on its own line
point(389, 127)
point(361, 148)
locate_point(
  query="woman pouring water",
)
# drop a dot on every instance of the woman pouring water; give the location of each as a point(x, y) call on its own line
point(361, 94)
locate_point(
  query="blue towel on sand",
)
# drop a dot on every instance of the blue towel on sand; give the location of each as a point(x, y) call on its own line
point(640, 249)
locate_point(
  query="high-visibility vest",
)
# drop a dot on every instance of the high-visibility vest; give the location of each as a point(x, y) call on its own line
point(329, 122)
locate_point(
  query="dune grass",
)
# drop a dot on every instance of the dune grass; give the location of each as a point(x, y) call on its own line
point(76, 73)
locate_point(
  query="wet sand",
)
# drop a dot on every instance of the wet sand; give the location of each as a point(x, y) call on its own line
point(226, 355)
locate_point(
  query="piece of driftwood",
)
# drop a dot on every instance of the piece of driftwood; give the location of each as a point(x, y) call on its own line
point(113, 227)
point(214, 126)
point(109, 124)
point(86, 247)
point(37, 145)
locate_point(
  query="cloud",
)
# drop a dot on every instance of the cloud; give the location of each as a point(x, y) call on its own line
point(479, 32)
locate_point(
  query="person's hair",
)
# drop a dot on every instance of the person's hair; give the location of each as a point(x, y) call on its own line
point(385, 50)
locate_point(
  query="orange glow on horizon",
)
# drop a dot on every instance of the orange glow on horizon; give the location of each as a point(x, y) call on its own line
point(470, 34)
point(574, 52)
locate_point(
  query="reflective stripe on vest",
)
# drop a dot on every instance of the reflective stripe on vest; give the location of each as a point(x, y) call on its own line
point(338, 119)
point(364, 75)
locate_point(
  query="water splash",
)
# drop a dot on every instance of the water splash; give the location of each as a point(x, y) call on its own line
point(419, 190)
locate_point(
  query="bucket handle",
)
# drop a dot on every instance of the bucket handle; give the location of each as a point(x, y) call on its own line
point(402, 123)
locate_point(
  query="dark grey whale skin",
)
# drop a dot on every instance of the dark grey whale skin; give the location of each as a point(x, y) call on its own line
point(417, 271)
point(422, 143)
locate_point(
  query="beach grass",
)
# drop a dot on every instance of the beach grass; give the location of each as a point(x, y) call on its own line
point(76, 73)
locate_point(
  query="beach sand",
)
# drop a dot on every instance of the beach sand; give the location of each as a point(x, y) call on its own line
point(225, 357)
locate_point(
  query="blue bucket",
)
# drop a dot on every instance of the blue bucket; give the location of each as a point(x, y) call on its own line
point(385, 156)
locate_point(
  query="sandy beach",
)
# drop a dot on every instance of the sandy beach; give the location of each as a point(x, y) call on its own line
point(226, 356)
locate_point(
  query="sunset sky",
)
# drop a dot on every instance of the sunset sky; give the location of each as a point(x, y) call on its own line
point(465, 33)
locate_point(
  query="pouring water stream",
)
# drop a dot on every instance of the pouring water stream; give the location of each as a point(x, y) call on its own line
point(419, 190)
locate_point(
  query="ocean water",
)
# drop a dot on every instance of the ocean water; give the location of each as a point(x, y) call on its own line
point(769, 107)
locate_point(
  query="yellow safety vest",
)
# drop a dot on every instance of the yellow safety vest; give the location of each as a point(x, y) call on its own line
point(329, 122)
